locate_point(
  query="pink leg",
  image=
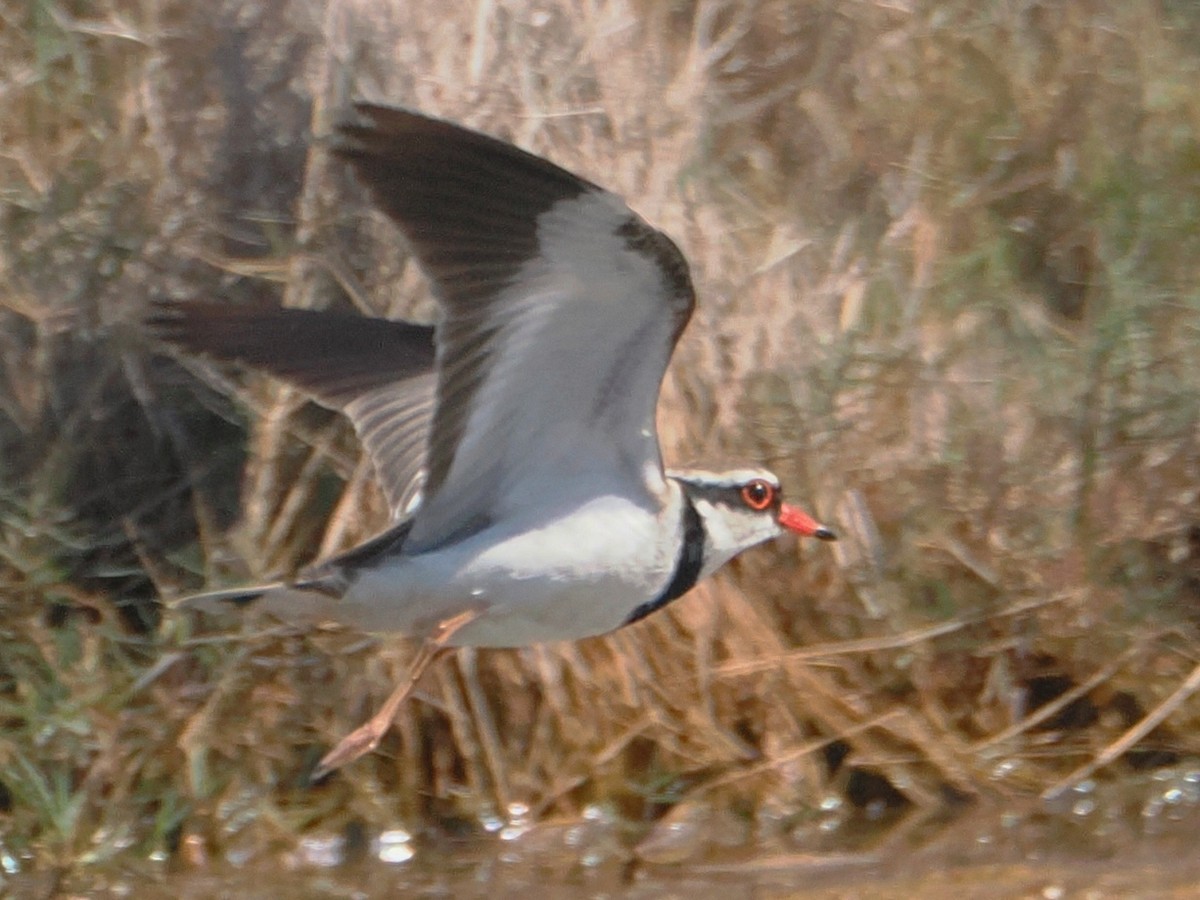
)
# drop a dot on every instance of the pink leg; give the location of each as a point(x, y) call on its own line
point(366, 737)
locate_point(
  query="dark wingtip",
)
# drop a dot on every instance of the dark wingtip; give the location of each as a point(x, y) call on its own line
point(241, 601)
point(216, 602)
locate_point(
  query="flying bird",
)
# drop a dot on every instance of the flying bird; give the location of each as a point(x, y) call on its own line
point(516, 440)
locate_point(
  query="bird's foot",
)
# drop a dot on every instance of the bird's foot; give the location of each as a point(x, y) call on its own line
point(359, 742)
point(366, 737)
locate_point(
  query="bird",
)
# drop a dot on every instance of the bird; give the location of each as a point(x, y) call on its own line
point(515, 440)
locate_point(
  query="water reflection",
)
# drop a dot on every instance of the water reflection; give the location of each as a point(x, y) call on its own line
point(395, 846)
point(1132, 838)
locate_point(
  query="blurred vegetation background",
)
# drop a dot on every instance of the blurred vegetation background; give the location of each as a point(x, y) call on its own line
point(948, 259)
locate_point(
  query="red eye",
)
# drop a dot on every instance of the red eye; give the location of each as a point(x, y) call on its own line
point(758, 494)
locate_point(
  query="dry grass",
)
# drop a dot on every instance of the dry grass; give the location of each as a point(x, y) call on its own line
point(948, 259)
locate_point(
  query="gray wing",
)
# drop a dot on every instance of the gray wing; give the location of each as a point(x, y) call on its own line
point(560, 306)
point(376, 371)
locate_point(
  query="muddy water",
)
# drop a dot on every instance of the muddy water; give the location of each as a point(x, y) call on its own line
point(1142, 875)
point(1139, 838)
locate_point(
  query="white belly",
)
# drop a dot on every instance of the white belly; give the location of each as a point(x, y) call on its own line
point(576, 576)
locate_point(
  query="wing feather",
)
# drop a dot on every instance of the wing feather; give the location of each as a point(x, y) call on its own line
point(560, 311)
point(377, 371)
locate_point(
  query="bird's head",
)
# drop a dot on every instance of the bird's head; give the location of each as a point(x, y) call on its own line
point(741, 508)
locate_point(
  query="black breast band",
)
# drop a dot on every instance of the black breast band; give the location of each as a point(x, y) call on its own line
point(687, 566)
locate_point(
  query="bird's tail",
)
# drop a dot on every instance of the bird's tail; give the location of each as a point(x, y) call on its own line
point(288, 602)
